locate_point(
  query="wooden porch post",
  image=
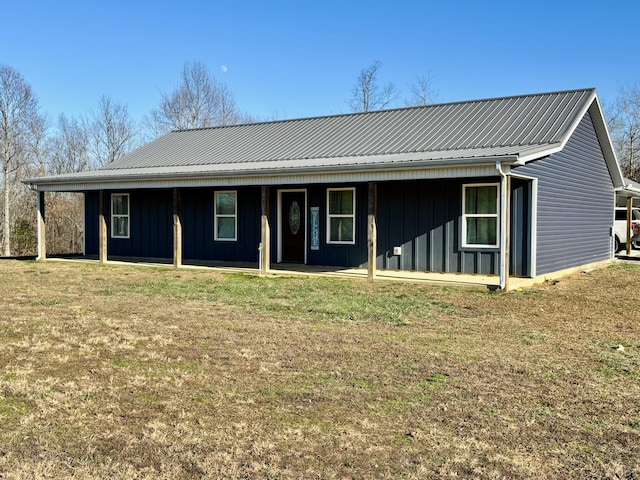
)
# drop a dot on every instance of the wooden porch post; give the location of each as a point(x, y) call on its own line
point(372, 230)
point(42, 233)
point(177, 229)
point(102, 228)
point(629, 209)
point(265, 232)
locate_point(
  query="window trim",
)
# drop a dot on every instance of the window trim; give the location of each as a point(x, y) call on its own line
point(341, 215)
point(216, 215)
point(120, 215)
point(466, 215)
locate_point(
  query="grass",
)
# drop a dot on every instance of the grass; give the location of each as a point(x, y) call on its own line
point(132, 372)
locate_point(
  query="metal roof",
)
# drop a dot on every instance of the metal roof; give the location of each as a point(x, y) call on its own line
point(520, 127)
point(481, 125)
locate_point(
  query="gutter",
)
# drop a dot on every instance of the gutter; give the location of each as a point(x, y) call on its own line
point(629, 189)
point(120, 176)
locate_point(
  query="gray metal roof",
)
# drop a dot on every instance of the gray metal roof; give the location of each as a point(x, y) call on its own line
point(525, 126)
point(483, 125)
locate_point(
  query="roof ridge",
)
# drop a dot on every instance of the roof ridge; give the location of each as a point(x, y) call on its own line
point(377, 112)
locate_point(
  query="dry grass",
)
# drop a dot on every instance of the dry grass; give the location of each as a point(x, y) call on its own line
point(125, 372)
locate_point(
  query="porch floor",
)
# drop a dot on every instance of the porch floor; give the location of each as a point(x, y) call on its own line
point(459, 279)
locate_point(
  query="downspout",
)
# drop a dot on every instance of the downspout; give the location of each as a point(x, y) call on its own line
point(504, 212)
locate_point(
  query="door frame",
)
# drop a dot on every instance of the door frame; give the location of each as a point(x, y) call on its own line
point(281, 226)
point(533, 221)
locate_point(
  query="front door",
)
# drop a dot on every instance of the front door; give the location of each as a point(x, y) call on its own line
point(292, 225)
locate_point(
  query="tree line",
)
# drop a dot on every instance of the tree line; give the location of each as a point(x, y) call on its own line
point(31, 144)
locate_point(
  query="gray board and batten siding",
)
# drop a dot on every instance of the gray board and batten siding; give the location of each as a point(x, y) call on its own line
point(151, 224)
point(422, 217)
point(575, 203)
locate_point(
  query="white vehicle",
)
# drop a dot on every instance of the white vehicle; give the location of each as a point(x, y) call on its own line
point(620, 228)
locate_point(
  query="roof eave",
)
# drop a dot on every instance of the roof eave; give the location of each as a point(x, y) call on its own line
point(284, 174)
point(630, 189)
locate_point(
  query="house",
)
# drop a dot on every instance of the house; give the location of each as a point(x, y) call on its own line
point(518, 186)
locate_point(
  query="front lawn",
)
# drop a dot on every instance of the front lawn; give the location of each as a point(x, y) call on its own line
point(134, 372)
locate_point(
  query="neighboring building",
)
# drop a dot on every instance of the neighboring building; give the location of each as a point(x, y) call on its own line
point(520, 186)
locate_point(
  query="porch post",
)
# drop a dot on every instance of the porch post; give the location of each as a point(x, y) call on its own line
point(42, 233)
point(505, 213)
point(265, 231)
point(177, 229)
point(102, 228)
point(507, 233)
point(629, 232)
point(372, 231)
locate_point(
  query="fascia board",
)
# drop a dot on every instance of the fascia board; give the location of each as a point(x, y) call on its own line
point(628, 191)
point(394, 171)
point(537, 153)
point(606, 144)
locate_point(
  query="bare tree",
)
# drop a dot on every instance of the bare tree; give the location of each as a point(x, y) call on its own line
point(367, 94)
point(422, 92)
point(18, 114)
point(69, 149)
point(198, 101)
point(624, 124)
point(40, 144)
point(112, 132)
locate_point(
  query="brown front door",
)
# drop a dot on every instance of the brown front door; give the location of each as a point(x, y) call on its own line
point(292, 223)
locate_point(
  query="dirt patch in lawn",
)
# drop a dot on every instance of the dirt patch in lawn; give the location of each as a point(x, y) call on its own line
point(131, 372)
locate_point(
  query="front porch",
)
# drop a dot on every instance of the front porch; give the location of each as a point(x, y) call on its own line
point(491, 282)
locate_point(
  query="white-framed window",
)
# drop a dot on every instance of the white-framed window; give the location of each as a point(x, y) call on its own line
point(480, 215)
point(119, 215)
point(341, 215)
point(226, 216)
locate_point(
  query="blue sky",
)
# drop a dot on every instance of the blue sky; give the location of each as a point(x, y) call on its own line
point(290, 59)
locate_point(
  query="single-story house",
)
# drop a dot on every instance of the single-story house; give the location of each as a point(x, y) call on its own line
point(517, 186)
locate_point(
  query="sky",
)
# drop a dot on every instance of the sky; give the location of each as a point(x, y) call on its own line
point(293, 59)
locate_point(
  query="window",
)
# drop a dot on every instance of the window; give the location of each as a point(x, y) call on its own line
point(225, 223)
point(341, 214)
point(120, 215)
point(480, 215)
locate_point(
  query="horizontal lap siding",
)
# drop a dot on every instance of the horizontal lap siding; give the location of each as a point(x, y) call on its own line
point(423, 218)
point(575, 203)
